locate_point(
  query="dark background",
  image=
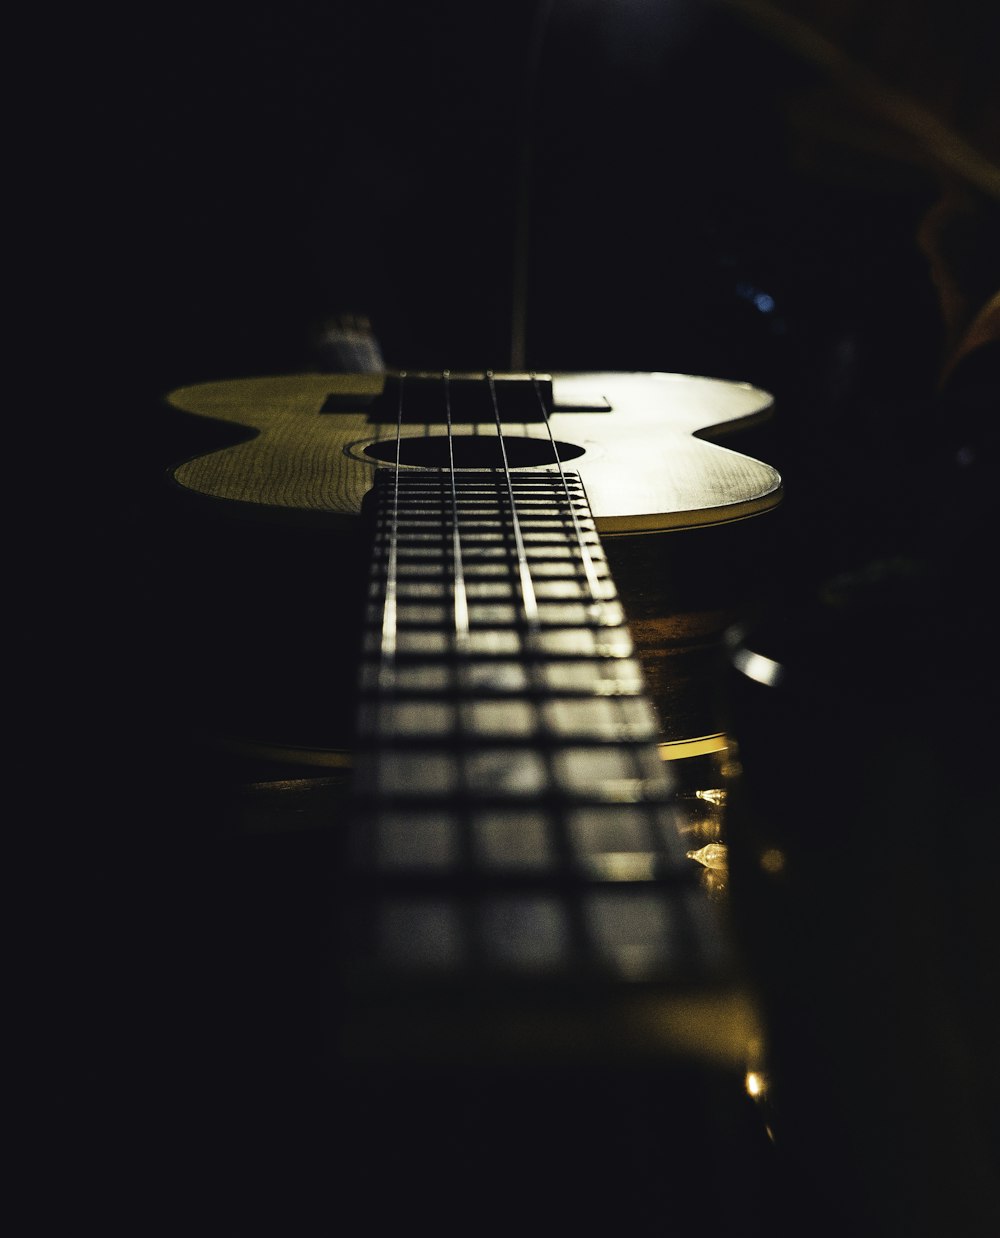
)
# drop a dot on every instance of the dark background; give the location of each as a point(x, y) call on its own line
point(247, 171)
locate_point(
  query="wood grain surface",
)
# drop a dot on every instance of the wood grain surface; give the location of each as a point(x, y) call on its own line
point(646, 464)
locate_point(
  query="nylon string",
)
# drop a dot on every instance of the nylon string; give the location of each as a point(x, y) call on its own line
point(387, 666)
point(458, 577)
point(528, 601)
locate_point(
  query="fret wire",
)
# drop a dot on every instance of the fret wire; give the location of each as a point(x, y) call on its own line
point(524, 575)
point(461, 600)
point(387, 667)
point(588, 562)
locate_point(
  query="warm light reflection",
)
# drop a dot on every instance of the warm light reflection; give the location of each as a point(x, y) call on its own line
point(682, 749)
point(715, 883)
point(707, 828)
point(756, 1084)
point(757, 1081)
point(699, 814)
point(714, 795)
point(772, 860)
point(716, 1026)
point(712, 855)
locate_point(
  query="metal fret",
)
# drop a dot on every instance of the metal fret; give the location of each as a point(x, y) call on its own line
point(515, 752)
point(575, 609)
point(514, 817)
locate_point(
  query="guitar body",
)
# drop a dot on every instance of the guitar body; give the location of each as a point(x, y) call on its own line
point(491, 971)
point(291, 540)
point(636, 442)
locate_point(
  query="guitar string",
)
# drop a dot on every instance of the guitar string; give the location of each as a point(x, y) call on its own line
point(589, 567)
point(387, 664)
point(528, 601)
point(461, 603)
point(528, 597)
point(549, 750)
point(460, 598)
point(461, 619)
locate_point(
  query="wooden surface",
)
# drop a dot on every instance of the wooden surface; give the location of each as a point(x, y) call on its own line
point(643, 466)
point(272, 658)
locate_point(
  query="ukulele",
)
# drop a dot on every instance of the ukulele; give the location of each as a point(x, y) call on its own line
point(515, 845)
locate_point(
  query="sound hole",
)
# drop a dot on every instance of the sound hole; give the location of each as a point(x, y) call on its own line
point(472, 451)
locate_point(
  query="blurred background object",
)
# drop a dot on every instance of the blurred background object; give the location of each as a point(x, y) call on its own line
point(864, 691)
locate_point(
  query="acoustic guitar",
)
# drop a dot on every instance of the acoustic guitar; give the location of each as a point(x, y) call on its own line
point(518, 873)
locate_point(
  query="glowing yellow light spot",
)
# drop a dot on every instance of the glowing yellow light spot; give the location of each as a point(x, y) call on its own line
point(712, 855)
point(755, 1083)
point(772, 860)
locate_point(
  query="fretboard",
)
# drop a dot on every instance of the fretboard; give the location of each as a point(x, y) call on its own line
point(514, 819)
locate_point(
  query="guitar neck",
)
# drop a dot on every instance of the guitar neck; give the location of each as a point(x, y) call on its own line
point(514, 823)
